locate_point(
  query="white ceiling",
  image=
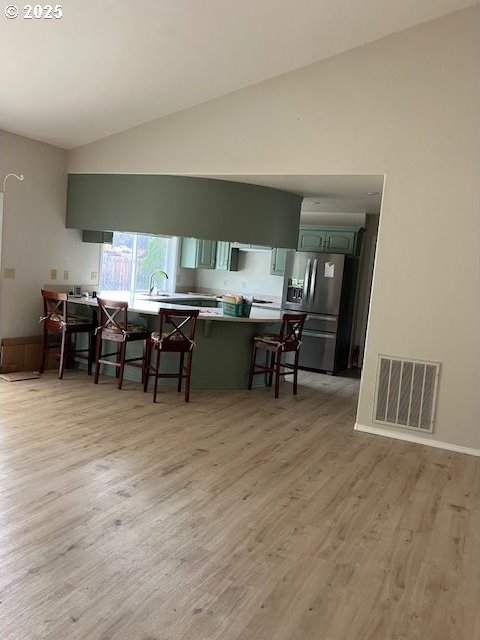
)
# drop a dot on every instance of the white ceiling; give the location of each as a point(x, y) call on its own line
point(323, 193)
point(108, 65)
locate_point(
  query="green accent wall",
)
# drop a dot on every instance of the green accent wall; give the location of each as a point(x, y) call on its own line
point(184, 206)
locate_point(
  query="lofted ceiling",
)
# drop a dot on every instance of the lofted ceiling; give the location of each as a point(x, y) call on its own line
point(108, 65)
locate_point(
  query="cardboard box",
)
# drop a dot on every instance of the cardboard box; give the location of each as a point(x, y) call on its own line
point(33, 356)
point(24, 354)
point(13, 355)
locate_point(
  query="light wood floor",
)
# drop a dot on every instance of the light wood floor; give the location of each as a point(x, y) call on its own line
point(236, 517)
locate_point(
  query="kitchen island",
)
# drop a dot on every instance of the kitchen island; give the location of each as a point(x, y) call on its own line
point(223, 344)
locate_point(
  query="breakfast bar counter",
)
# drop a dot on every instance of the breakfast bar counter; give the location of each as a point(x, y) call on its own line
point(223, 344)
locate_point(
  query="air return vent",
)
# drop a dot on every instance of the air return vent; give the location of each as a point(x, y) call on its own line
point(406, 393)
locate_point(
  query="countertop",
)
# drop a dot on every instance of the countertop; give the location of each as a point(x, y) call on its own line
point(260, 313)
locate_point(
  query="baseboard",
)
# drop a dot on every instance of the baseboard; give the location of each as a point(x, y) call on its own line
point(439, 444)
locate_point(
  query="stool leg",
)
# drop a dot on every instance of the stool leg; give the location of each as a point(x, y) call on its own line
point(252, 366)
point(278, 360)
point(188, 374)
point(146, 373)
point(90, 353)
point(144, 349)
point(118, 360)
point(98, 356)
point(62, 356)
point(295, 372)
point(123, 355)
point(180, 372)
point(157, 369)
point(271, 357)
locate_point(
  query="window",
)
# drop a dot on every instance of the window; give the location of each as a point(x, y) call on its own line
point(127, 264)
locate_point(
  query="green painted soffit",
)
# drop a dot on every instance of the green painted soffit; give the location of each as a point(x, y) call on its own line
point(184, 206)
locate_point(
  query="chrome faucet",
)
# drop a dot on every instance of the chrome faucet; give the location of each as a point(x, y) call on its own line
point(151, 283)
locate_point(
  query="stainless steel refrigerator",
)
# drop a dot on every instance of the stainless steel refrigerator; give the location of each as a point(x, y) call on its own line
point(323, 285)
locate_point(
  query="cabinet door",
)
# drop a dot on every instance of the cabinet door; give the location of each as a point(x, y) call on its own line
point(206, 254)
point(227, 257)
point(340, 242)
point(277, 263)
point(189, 253)
point(223, 249)
point(311, 239)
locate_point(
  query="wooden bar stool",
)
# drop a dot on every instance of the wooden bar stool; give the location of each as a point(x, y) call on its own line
point(113, 326)
point(176, 333)
point(289, 339)
point(57, 320)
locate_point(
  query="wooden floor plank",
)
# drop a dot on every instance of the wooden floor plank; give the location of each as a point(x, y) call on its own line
point(234, 517)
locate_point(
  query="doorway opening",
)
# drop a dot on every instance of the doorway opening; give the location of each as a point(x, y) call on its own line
point(340, 215)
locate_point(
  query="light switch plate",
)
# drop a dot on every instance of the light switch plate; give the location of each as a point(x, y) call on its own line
point(93, 275)
point(9, 273)
point(53, 274)
point(66, 274)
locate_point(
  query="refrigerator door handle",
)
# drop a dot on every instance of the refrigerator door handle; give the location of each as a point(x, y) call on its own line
point(305, 283)
point(312, 281)
point(319, 334)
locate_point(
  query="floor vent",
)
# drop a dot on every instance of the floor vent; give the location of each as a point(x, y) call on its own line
point(406, 393)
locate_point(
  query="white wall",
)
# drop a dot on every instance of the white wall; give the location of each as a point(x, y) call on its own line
point(35, 239)
point(254, 271)
point(406, 106)
point(333, 219)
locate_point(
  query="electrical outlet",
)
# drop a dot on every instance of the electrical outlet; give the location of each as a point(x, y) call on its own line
point(53, 274)
point(225, 283)
point(93, 275)
point(66, 274)
point(244, 284)
point(9, 273)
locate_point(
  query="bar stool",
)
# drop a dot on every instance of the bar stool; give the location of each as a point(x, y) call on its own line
point(113, 326)
point(57, 320)
point(176, 333)
point(289, 339)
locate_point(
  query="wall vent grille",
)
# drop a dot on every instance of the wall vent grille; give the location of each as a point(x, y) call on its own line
point(406, 393)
